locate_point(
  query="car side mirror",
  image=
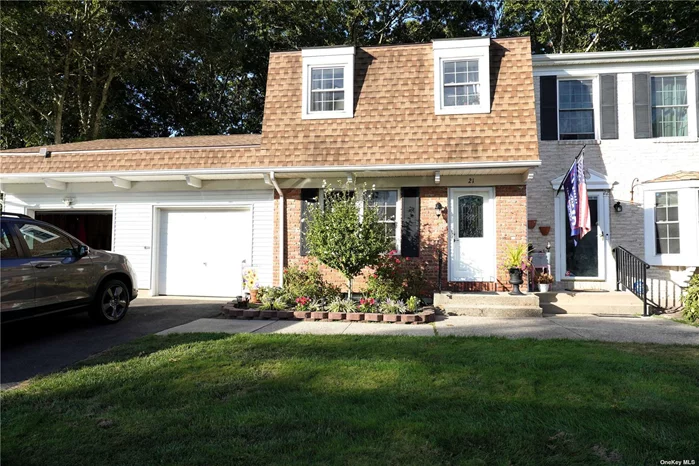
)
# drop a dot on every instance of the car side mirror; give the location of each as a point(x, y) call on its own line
point(83, 251)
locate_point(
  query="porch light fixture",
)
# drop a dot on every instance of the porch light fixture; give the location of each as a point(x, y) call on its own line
point(618, 207)
point(438, 209)
point(437, 177)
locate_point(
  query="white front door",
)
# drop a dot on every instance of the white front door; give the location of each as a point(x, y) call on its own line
point(584, 260)
point(201, 251)
point(472, 234)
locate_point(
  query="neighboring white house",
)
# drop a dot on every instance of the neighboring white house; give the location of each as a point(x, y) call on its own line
point(636, 114)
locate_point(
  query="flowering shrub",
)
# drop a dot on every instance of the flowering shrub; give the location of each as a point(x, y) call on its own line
point(302, 303)
point(367, 305)
point(396, 278)
point(306, 280)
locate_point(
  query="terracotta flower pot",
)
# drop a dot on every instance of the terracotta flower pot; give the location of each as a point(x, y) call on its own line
point(408, 318)
point(355, 316)
point(545, 230)
point(284, 315)
point(531, 224)
point(302, 314)
point(336, 315)
point(319, 315)
point(253, 296)
point(251, 313)
point(373, 317)
point(268, 314)
point(391, 317)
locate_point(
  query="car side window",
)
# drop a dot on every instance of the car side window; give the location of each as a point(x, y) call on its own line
point(45, 242)
point(8, 248)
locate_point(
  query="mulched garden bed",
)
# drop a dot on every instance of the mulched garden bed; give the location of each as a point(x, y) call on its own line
point(425, 316)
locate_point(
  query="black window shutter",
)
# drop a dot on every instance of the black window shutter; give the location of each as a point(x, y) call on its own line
point(549, 107)
point(641, 106)
point(308, 196)
point(608, 107)
point(410, 223)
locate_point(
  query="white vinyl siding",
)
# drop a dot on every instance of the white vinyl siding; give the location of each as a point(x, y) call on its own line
point(134, 222)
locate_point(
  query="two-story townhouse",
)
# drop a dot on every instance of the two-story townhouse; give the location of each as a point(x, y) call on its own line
point(635, 113)
point(445, 132)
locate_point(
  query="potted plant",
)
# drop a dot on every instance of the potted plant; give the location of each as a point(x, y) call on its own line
point(516, 262)
point(251, 284)
point(544, 280)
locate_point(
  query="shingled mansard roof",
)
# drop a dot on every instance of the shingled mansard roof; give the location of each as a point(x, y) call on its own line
point(394, 123)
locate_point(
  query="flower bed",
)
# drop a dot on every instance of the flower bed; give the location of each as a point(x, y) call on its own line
point(424, 316)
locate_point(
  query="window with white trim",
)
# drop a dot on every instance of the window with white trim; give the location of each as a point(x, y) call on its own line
point(461, 76)
point(328, 83)
point(667, 223)
point(461, 83)
point(576, 115)
point(386, 203)
point(669, 107)
point(327, 89)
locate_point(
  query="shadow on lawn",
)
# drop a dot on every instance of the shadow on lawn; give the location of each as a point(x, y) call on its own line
point(318, 399)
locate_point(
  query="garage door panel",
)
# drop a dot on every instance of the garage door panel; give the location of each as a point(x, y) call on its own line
point(201, 252)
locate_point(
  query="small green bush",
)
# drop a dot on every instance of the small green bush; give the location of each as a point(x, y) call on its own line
point(690, 300)
point(342, 305)
point(413, 304)
point(305, 279)
point(396, 278)
point(391, 306)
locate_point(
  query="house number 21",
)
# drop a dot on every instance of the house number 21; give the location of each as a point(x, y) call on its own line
point(471, 180)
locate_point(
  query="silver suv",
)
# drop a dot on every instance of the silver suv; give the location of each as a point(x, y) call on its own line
point(45, 270)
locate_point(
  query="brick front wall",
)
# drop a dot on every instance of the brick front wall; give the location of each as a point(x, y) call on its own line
point(511, 229)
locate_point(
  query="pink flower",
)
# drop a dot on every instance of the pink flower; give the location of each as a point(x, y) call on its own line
point(393, 252)
point(397, 261)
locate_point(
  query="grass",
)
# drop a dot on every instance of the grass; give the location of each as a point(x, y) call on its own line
point(203, 399)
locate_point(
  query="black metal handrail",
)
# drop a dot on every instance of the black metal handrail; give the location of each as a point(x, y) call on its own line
point(631, 275)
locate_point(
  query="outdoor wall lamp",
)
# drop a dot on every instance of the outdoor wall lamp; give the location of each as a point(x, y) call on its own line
point(618, 207)
point(438, 209)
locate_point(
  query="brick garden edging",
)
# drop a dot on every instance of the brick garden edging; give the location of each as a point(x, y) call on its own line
point(424, 317)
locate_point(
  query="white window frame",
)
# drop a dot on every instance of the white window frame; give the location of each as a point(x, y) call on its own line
point(595, 105)
point(328, 57)
point(688, 105)
point(399, 212)
point(448, 50)
point(688, 215)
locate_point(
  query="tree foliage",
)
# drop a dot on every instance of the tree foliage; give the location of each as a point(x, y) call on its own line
point(345, 234)
point(598, 25)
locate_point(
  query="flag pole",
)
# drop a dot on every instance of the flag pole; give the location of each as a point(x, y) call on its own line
point(571, 167)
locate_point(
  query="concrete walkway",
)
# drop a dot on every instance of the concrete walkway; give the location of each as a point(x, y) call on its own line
point(574, 327)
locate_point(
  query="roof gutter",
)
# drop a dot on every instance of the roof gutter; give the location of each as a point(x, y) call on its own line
point(131, 149)
point(271, 180)
point(623, 56)
point(284, 170)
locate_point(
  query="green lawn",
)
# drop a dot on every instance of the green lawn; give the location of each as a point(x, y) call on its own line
point(287, 399)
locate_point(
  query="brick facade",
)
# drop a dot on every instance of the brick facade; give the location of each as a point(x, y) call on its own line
point(511, 229)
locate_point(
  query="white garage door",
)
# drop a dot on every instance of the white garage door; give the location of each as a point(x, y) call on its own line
point(201, 251)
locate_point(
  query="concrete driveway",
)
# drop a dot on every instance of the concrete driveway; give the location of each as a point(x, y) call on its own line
point(44, 345)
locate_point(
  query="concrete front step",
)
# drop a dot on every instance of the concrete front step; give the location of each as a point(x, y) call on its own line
point(590, 302)
point(486, 304)
point(446, 298)
point(492, 311)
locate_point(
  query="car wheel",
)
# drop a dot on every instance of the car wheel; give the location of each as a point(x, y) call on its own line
point(111, 303)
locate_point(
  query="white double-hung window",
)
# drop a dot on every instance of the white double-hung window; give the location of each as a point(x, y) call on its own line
point(576, 115)
point(669, 107)
point(328, 82)
point(461, 76)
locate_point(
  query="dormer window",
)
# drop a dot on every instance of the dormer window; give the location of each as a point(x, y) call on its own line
point(327, 89)
point(328, 83)
point(462, 76)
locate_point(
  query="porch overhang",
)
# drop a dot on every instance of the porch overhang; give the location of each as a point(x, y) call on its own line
point(510, 172)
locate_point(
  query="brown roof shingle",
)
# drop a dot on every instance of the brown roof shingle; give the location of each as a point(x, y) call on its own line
point(677, 176)
point(394, 119)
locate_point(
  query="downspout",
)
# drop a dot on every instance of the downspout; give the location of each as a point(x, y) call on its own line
point(273, 182)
